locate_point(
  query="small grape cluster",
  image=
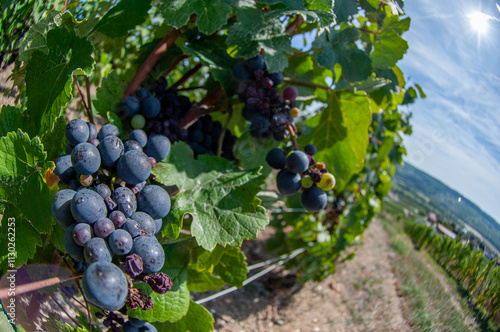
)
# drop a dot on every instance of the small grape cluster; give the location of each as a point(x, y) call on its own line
point(299, 171)
point(111, 214)
point(161, 114)
point(268, 112)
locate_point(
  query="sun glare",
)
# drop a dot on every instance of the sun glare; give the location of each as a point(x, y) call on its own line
point(479, 22)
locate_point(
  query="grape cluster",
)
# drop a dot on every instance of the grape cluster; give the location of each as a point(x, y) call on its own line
point(268, 112)
point(161, 113)
point(110, 213)
point(299, 171)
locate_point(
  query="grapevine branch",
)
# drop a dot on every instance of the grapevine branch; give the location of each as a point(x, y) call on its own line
point(89, 111)
point(151, 61)
point(221, 138)
point(292, 27)
point(186, 76)
point(202, 108)
point(89, 99)
point(293, 137)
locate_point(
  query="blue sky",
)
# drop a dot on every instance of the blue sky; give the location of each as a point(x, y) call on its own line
point(456, 129)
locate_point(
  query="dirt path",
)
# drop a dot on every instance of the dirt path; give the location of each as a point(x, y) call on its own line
point(361, 296)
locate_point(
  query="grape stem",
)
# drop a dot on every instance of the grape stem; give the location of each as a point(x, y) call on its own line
point(293, 136)
point(202, 108)
point(186, 76)
point(89, 99)
point(152, 60)
point(221, 138)
point(292, 27)
point(309, 84)
point(79, 88)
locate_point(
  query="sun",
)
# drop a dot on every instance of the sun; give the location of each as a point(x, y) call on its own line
point(479, 22)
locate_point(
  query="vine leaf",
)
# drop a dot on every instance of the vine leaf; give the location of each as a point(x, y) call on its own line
point(219, 196)
point(123, 17)
point(345, 9)
point(109, 94)
point(54, 140)
point(389, 45)
point(232, 267)
point(211, 15)
point(66, 53)
point(197, 319)
point(340, 132)
point(13, 118)
point(174, 304)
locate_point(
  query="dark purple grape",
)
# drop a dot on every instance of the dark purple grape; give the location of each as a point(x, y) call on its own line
point(158, 147)
point(154, 200)
point(85, 158)
point(276, 158)
point(61, 207)
point(108, 130)
point(105, 286)
point(259, 127)
point(72, 248)
point(142, 93)
point(132, 145)
point(120, 242)
point(310, 149)
point(290, 93)
point(148, 328)
point(158, 225)
point(136, 322)
point(151, 252)
point(103, 190)
point(125, 200)
point(82, 233)
point(255, 63)
point(118, 218)
point(139, 136)
point(313, 199)
point(134, 166)
point(92, 130)
point(150, 107)
point(87, 206)
point(241, 72)
point(132, 227)
point(297, 162)
point(77, 132)
point(130, 106)
point(103, 228)
point(146, 223)
point(111, 149)
point(96, 250)
point(64, 169)
point(288, 183)
point(277, 78)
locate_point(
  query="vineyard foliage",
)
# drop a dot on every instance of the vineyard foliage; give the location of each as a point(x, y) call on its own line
point(478, 275)
point(342, 57)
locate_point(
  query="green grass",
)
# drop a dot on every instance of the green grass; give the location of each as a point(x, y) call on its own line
point(428, 304)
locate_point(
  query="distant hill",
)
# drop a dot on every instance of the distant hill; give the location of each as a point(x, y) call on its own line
point(433, 195)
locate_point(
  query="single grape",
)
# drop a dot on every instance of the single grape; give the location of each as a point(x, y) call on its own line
point(255, 63)
point(136, 322)
point(108, 130)
point(111, 149)
point(93, 141)
point(327, 182)
point(72, 248)
point(138, 121)
point(158, 147)
point(276, 158)
point(260, 127)
point(288, 183)
point(134, 167)
point(196, 136)
point(277, 78)
point(310, 149)
point(158, 225)
point(130, 106)
point(153, 200)
point(151, 252)
point(103, 228)
point(297, 162)
point(290, 93)
point(313, 199)
point(92, 130)
point(241, 72)
point(96, 250)
point(85, 158)
point(150, 107)
point(82, 233)
point(127, 327)
point(132, 227)
point(146, 223)
point(64, 169)
point(118, 218)
point(142, 93)
point(61, 207)
point(86, 180)
point(140, 136)
point(103, 190)
point(120, 242)
point(87, 206)
point(77, 132)
point(148, 328)
point(125, 200)
point(307, 182)
point(105, 286)
point(131, 145)
point(294, 112)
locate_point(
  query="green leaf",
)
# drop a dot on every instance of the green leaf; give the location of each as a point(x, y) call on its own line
point(341, 135)
point(389, 46)
point(4, 320)
point(109, 94)
point(252, 152)
point(67, 52)
point(36, 38)
point(286, 4)
point(122, 17)
point(211, 15)
point(344, 9)
point(174, 304)
point(323, 5)
point(12, 119)
point(22, 166)
point(219, 196)
point(232, 267)
point(54, 140)
point(203, 281)
point(197, 319)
